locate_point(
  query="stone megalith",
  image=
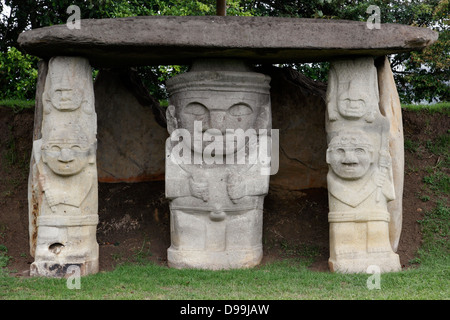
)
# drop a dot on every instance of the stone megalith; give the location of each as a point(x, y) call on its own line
point(131, 132)
point(360, 177)
point(63, 186)
point(298, 113)
point(391, 108)
point(217, 165)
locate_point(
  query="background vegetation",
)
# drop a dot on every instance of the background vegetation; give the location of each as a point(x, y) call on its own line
point(421, 76)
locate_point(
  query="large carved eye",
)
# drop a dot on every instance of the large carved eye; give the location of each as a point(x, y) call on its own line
point(55, 148)
point(360, 151)
point(240, 109)
point(196, 109)
point(340, 151)
point(75, 147)
point(56, 94)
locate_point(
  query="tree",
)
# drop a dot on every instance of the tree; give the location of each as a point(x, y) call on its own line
point(420, 76)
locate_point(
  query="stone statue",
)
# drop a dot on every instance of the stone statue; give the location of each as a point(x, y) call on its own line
point(69, 85)
point(63, 189)
point(352, 90)
point(216, 178)
point(360, 178)
point(67, 171)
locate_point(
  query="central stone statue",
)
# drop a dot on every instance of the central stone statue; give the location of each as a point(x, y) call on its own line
point(217, 164)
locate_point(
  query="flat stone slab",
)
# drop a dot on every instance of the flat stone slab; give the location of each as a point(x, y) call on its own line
point(178, 40)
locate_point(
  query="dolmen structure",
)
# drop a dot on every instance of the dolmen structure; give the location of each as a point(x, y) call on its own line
point(221, 147)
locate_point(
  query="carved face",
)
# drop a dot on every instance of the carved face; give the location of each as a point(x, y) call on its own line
point(65, 98)
point(67, 157)
point(353, 99)
point(224, 112)
point(349, 161)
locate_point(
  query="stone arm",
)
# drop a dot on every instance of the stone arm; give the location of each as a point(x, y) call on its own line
point(44, 187)
point(384, 179)
point(180, 183)
point(247, 184)
point(177, 187)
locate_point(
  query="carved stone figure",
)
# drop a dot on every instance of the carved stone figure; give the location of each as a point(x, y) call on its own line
point(352, 90)
point(63, 190)
point(68, 95)
point(360, 179)
point(359, 186)
point(216, 176)
point(67, 87)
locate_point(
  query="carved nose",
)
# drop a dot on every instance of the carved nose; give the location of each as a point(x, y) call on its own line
point(350, 158)
point(66, 155)
point(217, 120)
point(66, 95)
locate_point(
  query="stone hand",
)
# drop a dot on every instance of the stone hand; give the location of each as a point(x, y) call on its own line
point(385, 159)
point(48, 194)
point(381, 177)
point(235, 187)
point(199, 189)
point(384, 163)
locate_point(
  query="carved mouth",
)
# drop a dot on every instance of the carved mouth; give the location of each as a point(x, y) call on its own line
point(350, 166)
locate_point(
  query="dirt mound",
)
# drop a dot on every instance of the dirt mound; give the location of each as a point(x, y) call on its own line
point(134, 218)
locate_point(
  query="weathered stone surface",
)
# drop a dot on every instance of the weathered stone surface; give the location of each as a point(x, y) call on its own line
point(216, 200)
point(360, 179)
point(63, 177)
point(298, 112)
point(131, 134)
point(33, 196)
point(391, 108)
point(179, 40)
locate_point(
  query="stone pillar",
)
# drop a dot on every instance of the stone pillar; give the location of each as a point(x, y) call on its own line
point(391, 108)
point(217, 165)
point(63, 178)
point(360, 178)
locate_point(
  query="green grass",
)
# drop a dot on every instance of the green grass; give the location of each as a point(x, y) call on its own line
point(441, 107)
point(16, 104)
point(286, 280)
point(4, 258)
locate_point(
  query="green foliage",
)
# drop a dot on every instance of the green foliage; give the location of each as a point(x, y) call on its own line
point(17, 75)
point(441, 107)
point(427, 74)
point(154, 77)
point(411, 145)
point(4, 258)
point(435, 230)
point(17, 105)
point(438, 182)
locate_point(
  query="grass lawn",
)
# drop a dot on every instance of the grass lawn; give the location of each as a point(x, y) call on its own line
point(285, 280)
point(16, 104)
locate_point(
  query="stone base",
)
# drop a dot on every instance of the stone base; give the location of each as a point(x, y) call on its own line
point(386, 261)
point(53, 269)
point(214, 260)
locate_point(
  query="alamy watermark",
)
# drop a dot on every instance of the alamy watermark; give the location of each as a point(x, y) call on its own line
point(239, 147)
point(74, 20)
point(374, 281)
point(374, 21)
point(74, 280)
